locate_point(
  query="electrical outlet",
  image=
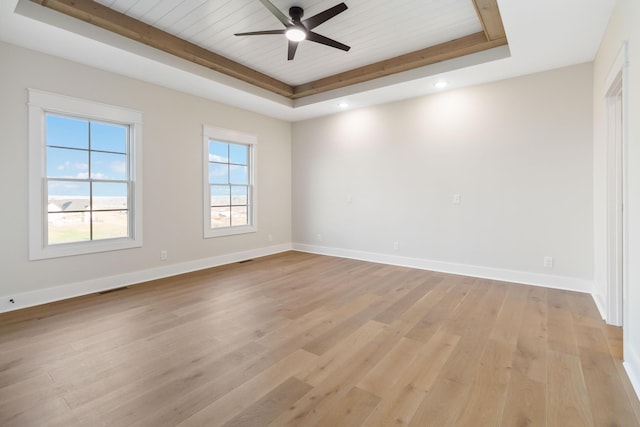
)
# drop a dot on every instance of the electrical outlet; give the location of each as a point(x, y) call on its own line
point(319, 237)
point(163, 255)
point(548, 262)
point(457, 199)
point(396, 246)
point(270, 238)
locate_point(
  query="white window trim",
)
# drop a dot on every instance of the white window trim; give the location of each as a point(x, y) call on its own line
point(44, 102)
point(230, 136)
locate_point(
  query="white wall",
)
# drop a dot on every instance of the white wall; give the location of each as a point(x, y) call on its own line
point(172, 179)
point(519, 152)
point(623, 25)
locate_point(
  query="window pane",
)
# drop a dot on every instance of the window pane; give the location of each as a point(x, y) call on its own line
point(110, 225)
point(239, 154)
point(239, 195)
point(238, 215)
point(107, 195)
point(108, 137)
point(218, 152)
point(108, 166)
point(239, 174)
point(218, 173)
point(66, 132)
point(65, 196)
point(220, 195)
point(220, 217)
point(68, 227)
point(66, 163)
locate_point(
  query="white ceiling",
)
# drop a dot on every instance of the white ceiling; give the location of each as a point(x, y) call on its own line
point(375, 30)
point(542, 35)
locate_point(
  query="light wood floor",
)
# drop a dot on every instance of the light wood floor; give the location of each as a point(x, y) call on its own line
point(300, 339)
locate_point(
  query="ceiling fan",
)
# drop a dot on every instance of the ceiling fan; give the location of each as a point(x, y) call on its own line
point(297, 29)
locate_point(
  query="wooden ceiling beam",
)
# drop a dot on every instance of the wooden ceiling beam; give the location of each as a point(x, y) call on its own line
point(459, 47)
point(119, 23)
point(490, 18)
point(94, 13)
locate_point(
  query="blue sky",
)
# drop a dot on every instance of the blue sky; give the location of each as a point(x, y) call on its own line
point(68, 156)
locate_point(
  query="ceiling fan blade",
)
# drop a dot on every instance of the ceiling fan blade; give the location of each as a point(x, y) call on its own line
point(286, 21)
point(292, 49)
point(261, 33)
point(315, 37)
point(321, 17)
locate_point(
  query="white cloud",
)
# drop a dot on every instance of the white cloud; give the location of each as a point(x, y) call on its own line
point(217, 158)
point(118, 167)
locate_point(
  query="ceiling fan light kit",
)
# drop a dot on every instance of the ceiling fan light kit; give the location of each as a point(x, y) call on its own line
point(296, 34)
point(297, 30)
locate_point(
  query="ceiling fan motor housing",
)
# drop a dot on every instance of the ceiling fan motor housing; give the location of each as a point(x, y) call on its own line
point(296, 13)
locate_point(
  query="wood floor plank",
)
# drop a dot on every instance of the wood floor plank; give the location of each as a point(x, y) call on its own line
point(607, 395)
point(560, 334)
point(401, 400)
point(340, 355)
point(247, 401)
point(531, 348)
point(629, 389)
point(439, 313)
point(487, 394)
point(526, 397)
point(608, 399)
point(614, 340)
point(364, 307)
point(308, 340)
point(262, 412)
point(326, 394)
point(441, 405)
point(384, 375)
point(525, 404)
point(350, 411)
point(400, 306)
point(567, 399)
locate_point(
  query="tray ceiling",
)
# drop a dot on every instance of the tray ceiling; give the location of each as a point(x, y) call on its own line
point(386, 37)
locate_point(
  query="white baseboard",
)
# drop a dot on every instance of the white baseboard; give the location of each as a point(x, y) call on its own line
point(632, 366)
point(600, 304)
point(523, 277)
point(57, 293)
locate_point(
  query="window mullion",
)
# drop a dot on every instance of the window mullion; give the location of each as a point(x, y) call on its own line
point(90, 183)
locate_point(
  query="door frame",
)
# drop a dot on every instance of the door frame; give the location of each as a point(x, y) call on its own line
point(616, 88)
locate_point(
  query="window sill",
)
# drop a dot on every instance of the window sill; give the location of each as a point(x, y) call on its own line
point(81, 248)
point(230, 231)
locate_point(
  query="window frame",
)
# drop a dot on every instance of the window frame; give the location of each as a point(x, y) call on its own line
point(231, 137)
point(43, 103)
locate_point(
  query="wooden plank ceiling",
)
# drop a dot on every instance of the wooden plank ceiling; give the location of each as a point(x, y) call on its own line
point(463, 35)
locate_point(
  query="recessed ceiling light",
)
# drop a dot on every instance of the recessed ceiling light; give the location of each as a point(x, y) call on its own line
point(296, 34)
point(441, 84)
point(343, 105)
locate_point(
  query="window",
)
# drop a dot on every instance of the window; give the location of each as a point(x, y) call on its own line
point(229, 182)
point(84, 158)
